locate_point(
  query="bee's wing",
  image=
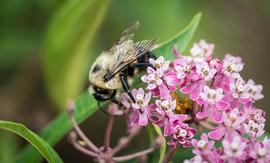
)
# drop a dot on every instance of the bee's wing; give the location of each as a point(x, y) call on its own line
point(124, 59)
point(128, 33)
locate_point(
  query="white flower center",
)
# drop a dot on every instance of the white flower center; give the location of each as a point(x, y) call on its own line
point(233, 117)
point(231, 68)
point(153, 78)
point(254, 127)
point(256, 117)
point(212, 96)
point(187, 69)
point(165, 105)
point(234, 145)
point(139, 99)
point(262, 152)
point(201, 143)
point(182, 133)
point(158, 64)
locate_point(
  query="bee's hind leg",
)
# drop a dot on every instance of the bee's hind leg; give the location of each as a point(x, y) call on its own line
point(126, 86)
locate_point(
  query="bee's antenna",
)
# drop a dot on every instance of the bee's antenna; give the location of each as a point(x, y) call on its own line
point(102, 109)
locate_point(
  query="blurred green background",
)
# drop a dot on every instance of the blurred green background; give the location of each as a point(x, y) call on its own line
point(47, 47)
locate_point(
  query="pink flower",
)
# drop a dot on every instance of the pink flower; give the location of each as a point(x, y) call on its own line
point(182, 135)
point(196, 159)
point(237, 94)
point(254, 129)
point(202, 146)
point(183, 68)
point(231, 125)
point(215, 63)
point(261, 151)
point(171, 79)
point(142, 99)
point(193, 88)
point(155, 83)
point(138, 114)
point(162, 115)
point(222, 81)
point(205, 71)
point(211, 99)
point(232, 66)
point(211, 96)
point(253, 91)
point(166, 115)
point(233, 119)
point(172, 120)
point(165, 106)
point(255, 114)
point(202, 50)
point(160, 64)
point(153, 78)
point(235, 149)
point(238, 88)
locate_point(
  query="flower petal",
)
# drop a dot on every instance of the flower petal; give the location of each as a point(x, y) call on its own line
point(171, 79)
point(216, 115)
point(203, 113)
point(218, 133)
point(222, 105)
point(164, 92)
point(143, 119)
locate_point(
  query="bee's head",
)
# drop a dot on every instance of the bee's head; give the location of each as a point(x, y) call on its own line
point(101, 94)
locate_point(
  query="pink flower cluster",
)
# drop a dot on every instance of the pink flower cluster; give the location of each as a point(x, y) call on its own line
point(220, 98)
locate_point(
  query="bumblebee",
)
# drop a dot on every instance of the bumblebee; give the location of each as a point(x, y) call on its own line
point(112, 69)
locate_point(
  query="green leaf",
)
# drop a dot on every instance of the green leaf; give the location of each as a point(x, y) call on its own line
point(8, 147)
point(85, 105)
point(59, 127)
point(66, 47)
point(181, 40)
point(43, 147)
point(162, 150)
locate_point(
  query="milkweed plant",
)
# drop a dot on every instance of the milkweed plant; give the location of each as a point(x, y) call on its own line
point(199, 102)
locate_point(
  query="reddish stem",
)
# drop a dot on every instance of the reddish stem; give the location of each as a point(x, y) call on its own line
point(134, 155)
point(124, 141)
point(78, 130)
point(108, 132)
point(74, 142)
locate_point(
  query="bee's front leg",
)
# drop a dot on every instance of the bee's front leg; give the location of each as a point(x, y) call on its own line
point(126, 86)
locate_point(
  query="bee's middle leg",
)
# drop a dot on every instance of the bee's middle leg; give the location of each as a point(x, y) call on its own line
point(126, 86)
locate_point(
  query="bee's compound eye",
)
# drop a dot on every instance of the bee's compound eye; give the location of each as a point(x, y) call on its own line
point(102, 96)
point(96, 68)
point(99, 97)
